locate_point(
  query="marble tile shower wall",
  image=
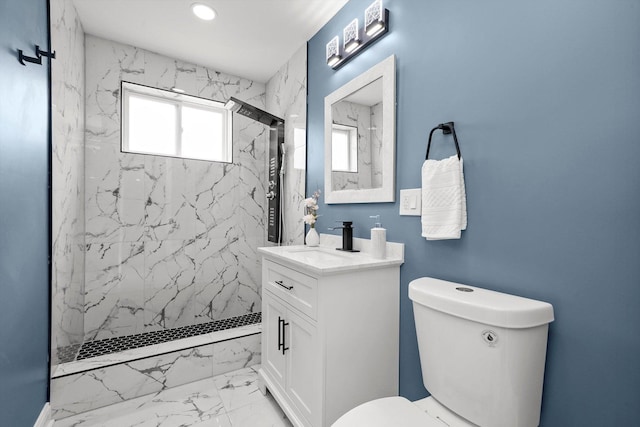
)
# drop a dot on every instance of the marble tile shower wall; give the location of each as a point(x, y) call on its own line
point(287, 98)
point(67, 278)
point(169, 242)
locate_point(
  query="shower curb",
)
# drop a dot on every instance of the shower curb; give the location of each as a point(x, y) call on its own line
point(92, 383)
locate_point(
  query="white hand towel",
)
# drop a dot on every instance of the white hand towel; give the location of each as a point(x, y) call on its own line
point(444, 201)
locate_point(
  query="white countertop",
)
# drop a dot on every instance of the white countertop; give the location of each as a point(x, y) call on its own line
point(325, 259)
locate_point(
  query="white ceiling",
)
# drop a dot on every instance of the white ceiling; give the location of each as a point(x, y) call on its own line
point(249, 38)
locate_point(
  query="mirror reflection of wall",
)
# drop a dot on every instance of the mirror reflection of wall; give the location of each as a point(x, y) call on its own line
point(357, 139)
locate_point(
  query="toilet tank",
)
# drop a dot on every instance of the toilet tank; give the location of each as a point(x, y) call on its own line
point(482, 352)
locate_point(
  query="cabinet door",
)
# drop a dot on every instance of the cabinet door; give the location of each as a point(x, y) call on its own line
point(273, 359)
point(303, 368)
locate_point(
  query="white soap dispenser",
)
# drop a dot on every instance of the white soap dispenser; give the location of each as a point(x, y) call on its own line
point(378, 239)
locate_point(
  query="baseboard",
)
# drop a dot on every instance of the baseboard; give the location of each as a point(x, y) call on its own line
point(44, 419)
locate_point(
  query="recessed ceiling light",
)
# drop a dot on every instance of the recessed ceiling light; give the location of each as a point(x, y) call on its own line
point(202, 11)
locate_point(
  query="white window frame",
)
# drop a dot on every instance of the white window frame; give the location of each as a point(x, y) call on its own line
point(352, 147)
point(180, 100)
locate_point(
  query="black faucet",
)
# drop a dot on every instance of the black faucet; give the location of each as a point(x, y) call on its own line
point(347, 236)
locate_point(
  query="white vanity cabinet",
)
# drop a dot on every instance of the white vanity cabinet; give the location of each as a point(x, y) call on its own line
point(330, 335)
point(291, 356)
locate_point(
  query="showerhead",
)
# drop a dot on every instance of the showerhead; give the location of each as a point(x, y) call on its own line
point(276, 169)
point(248, 110)
point(232, 105)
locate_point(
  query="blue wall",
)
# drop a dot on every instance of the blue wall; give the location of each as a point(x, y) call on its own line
point(546, 100)
point(24, 214)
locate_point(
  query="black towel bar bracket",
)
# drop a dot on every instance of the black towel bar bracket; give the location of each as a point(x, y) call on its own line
point(38, 58)
point(447, 129)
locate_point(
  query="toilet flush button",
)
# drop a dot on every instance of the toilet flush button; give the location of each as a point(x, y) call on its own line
point(490, 337)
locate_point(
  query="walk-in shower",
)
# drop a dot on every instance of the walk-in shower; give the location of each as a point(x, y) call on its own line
point(155, 259)
point(276, 163)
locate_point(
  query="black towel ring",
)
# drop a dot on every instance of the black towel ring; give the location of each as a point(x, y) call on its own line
point(447, 128)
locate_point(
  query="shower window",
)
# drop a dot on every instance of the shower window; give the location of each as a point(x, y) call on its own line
point(167, 123)
point(344, 148)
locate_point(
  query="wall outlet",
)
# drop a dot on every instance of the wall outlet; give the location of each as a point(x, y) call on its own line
point(411, 202)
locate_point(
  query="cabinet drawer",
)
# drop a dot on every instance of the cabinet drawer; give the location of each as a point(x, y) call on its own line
point(295, 288)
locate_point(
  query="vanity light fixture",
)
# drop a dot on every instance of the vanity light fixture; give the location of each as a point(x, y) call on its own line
point(203, 11)
point(351, 35)
point(355, 39)
point(374, 19)
point(333, 52)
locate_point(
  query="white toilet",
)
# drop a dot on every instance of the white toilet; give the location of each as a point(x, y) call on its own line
point(482, 355)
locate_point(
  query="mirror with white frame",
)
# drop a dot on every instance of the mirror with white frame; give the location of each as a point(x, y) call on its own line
point(359, 133)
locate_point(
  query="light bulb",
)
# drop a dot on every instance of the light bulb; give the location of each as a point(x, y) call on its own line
point(202, 11)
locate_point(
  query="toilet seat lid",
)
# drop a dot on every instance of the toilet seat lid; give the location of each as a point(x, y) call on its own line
point(385, 412)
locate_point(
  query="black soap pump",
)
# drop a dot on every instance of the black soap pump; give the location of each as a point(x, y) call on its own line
point(347, 237)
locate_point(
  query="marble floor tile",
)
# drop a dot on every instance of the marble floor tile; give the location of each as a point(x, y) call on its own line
point(263, 413)
point(239, 388)
point(228, 400)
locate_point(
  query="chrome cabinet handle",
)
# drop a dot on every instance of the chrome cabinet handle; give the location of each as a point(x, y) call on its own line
point(279, 282)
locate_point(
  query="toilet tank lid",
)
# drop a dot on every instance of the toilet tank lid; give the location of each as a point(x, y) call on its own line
point(480, 305)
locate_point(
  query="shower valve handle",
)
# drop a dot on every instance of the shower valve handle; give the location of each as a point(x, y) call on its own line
point(272, 184)
point(271, 195)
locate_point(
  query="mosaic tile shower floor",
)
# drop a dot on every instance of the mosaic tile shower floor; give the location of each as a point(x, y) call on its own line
point(228, 400)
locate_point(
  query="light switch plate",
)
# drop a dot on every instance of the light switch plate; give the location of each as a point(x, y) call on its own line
point(411, 202)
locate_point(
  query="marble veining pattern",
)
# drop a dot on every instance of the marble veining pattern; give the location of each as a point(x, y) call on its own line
point(248, 334)
point(101, 387)
point(170, 273)
point(105, 384)
point(114, 299)
point(287, 98)
point(67, 162)
point(230, 400)
point(195, 225)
